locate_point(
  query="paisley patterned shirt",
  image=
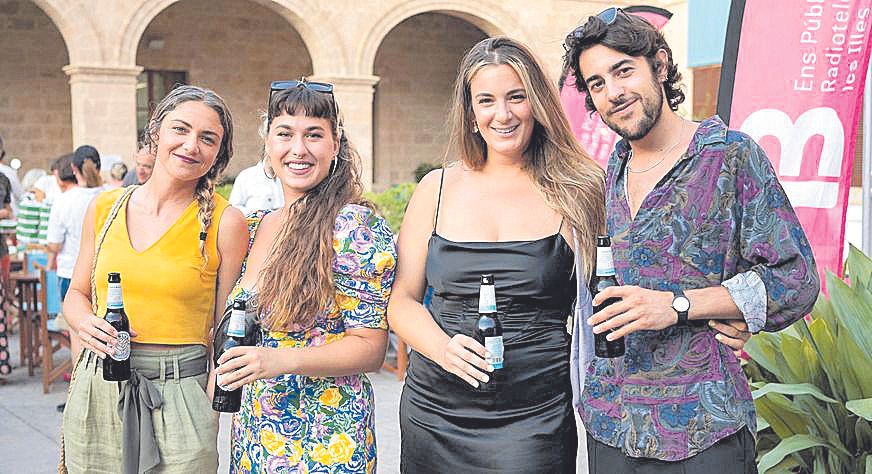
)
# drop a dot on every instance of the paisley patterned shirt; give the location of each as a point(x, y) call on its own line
point(720, 212)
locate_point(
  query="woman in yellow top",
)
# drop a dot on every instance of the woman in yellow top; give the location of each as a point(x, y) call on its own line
point(319, 274)
point(178, 247)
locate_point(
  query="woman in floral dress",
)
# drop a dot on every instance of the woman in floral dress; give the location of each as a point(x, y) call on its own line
point(318, 275)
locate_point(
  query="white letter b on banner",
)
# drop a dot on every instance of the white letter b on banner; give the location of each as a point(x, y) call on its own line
point(793, 136)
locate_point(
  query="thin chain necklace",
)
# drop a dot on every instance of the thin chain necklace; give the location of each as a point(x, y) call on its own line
point(663, 154)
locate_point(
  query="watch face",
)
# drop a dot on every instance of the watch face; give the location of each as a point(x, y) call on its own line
point(681, 304)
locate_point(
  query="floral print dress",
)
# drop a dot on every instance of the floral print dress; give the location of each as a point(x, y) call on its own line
point(294, 423)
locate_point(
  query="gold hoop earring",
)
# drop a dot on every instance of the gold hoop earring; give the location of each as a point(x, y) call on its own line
point(267, 168)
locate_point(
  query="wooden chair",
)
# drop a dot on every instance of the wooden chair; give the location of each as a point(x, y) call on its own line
point(50, 341)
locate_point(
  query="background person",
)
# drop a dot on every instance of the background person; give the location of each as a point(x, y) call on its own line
point(254, 191)
point(12, 176)
point(116, 175)
point(144, 167)
point(68, 215)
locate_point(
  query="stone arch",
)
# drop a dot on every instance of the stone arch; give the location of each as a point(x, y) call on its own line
point(323, 45)
point(488, 18)
point(59, 19)
point(35, 102)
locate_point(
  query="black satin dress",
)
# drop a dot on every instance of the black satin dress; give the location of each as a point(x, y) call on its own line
point(528, 426)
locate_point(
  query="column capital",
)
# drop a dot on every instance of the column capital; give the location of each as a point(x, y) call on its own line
point(97, 74)
point(349, 82)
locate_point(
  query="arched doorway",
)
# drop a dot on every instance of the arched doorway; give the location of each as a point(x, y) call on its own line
point(35, 118)
point(417, 64)
point(233, 47)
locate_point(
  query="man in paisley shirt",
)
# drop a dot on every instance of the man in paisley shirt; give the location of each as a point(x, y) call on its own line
point(701, 231)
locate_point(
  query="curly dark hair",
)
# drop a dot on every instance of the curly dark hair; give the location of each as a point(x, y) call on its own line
point(631, 35)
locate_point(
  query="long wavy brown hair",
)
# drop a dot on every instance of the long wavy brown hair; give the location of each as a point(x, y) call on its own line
point(296, 282)
point(569, 180)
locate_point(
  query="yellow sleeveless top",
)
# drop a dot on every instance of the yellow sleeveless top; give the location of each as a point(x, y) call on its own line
point(168, 296)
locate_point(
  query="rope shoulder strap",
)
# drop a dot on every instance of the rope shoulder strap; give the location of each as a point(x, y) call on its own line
point(62, 466)
point(98, 243)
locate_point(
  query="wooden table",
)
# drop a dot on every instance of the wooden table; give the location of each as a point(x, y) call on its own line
point(26, 288)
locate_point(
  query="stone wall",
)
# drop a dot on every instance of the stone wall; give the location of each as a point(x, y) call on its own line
point(417, 64)
point(35, 117)
point(235, 48)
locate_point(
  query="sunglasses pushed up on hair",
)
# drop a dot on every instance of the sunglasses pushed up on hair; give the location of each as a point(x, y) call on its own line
point(607, 16)
point(322, 87)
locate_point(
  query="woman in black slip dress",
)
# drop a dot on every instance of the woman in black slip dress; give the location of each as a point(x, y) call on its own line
point(521, 176)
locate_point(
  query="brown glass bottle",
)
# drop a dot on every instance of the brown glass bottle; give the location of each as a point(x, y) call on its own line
point(229, 401)
point(603, 278)
point(116, 367)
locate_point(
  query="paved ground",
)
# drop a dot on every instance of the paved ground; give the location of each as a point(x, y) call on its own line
point(30, 424)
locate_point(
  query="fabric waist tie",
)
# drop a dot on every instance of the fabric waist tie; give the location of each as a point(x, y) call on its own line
point(139, 451)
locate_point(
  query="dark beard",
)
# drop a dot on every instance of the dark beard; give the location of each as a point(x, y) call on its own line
point(650, 116)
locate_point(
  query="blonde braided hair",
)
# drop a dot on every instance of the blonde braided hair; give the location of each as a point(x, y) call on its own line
point(204, 192)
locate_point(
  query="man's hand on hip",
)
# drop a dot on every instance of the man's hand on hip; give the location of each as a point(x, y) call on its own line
point(639, 309)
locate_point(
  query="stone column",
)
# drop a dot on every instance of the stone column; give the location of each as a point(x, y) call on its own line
point(355, 97)
point(104, 108)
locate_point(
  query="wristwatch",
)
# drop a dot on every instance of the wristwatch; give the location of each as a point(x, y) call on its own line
point(681, 305)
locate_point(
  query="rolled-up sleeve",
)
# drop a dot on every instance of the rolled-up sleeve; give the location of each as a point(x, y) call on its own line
point(364, 267)
point(773, 243)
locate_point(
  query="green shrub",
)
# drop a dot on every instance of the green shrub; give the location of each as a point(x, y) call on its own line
point(391, 203)
point(224, 189)
point(813, 382)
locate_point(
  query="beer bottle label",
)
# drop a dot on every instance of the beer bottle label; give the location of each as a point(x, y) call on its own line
point(218, 380)
point(487, 299)
point(494, 346)
point(122, 348)
point(113, 296)
point(605, 265)
point(236, 326)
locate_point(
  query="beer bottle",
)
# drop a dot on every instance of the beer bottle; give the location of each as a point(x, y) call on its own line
point(602, 279)
point(229, 401)
point(116, 367)
point(489, 332)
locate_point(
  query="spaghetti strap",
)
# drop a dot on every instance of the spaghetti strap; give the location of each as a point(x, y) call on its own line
point(562, 218)
point(438, 201)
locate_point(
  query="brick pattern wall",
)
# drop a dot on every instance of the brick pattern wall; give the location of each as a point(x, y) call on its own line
point(417, 63)
point(35, 119)
point(235, 48)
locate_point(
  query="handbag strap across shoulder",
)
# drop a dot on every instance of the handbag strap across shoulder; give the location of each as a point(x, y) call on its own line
point(102, 235)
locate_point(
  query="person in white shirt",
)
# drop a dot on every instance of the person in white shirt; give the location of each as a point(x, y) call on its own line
point(68, 214)
point(10, 173)
point(253, 191)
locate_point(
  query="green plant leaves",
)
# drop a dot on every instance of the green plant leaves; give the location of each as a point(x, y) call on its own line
point(862, 408)
point(853, 312)
point(812, 384)
point(792, 389)
point(793, 444)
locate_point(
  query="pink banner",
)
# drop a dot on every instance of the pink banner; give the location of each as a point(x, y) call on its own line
point(800, 69)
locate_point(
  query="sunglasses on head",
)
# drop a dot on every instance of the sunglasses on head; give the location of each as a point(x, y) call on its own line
point(324, 87)
point(607, 16)
point(278, 86)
